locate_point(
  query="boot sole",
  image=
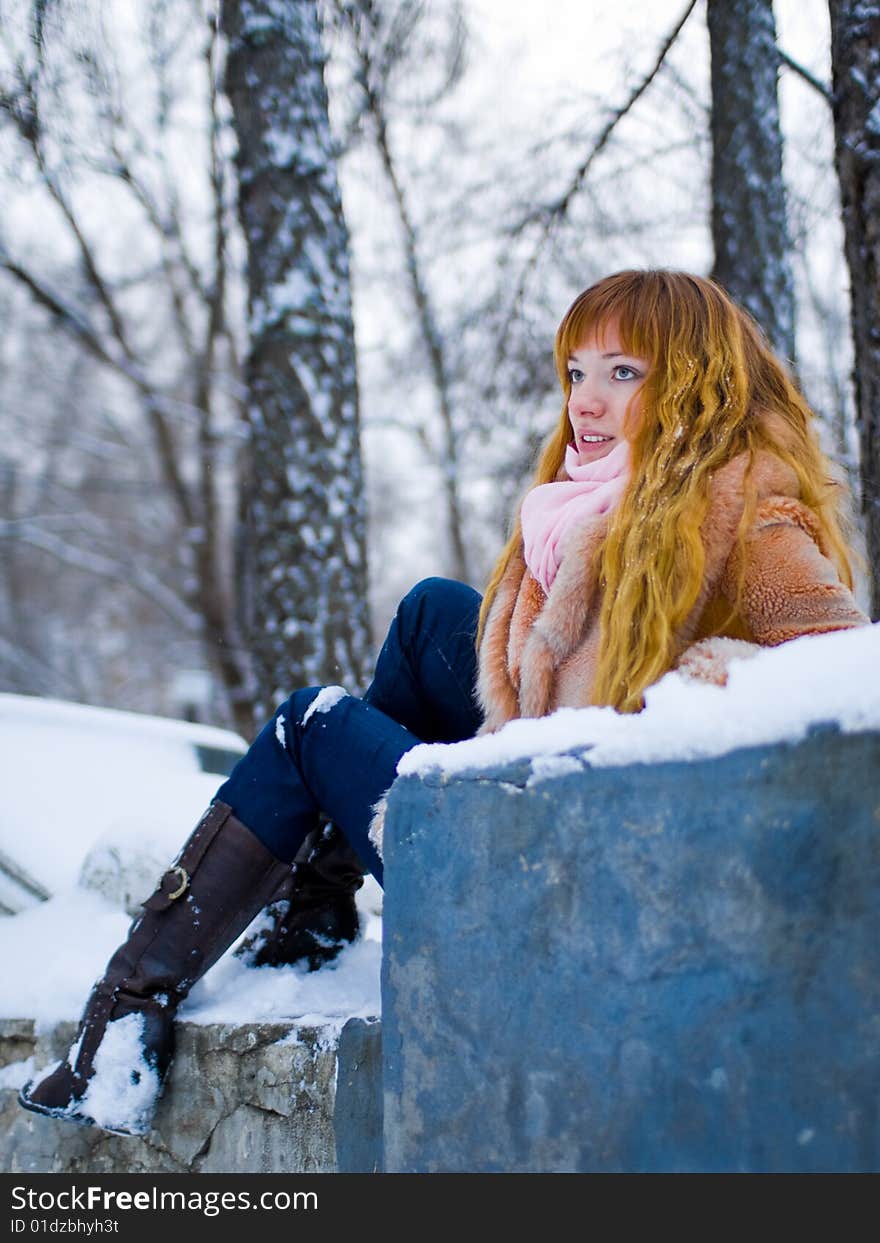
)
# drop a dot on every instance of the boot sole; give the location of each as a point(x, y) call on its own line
point(78, 1119)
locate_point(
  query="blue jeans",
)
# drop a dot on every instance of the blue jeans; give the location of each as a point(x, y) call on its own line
point(336, 755)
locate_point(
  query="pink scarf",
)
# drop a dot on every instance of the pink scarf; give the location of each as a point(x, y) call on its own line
point(551, 510)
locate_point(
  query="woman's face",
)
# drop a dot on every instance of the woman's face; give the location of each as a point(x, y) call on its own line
point(604, 380)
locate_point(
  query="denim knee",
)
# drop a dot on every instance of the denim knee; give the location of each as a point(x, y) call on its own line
point(303, 704)
point(430, 598)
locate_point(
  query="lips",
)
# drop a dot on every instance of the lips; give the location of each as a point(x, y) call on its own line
point(593, 438)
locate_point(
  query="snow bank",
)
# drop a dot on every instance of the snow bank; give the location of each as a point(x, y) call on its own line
point(71, 774)
point(776, 695)
point(52, 954)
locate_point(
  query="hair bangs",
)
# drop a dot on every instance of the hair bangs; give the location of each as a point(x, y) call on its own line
point(625, 302)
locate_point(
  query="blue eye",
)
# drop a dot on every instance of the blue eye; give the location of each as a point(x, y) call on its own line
point(574, 375)
point(631, 374)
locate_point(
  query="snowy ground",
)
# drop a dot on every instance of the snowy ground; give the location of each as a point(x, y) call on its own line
point(53, 951)
point(84, 790)
point(52, 954)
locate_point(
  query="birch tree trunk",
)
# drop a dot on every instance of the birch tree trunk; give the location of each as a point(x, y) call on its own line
point(306, 522)
point(749, 229)
point(855, 65)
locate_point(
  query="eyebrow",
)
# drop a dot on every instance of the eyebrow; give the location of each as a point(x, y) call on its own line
point(614, 354)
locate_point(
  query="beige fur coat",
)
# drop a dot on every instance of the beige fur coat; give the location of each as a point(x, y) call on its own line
point(539, 651)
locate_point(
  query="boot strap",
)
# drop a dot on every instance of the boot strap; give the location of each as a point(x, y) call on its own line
point(175, 882)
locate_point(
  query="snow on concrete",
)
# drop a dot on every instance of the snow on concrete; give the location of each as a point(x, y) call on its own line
point(53, 953)
point(117, 1097)
point(82, 784)
point(777, 694)
point(17, 1074)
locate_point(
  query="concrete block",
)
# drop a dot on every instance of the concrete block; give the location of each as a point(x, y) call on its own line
point(668, 967)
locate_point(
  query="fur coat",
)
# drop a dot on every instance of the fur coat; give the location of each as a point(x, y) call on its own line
point(539, 651)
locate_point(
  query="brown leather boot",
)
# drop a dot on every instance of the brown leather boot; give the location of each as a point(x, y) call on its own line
point(313, 916)
point(113, 1074)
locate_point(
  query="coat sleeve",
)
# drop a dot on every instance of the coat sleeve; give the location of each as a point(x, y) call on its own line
point(789, 587)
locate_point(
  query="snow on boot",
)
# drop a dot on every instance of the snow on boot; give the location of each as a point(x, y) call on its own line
point(113, 1074)
point(313, 915)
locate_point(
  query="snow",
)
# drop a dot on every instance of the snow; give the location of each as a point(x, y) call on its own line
point(52, 953)
point(778, 694)
point(346, 988)
point(17, 1074)
point(123, 1092)
point(72, 774)
point(82, 786)
point(325, 700)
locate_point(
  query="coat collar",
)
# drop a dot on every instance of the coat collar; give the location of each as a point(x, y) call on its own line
point(530, 635)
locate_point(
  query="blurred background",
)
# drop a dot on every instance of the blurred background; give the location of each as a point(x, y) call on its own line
point(279, 284)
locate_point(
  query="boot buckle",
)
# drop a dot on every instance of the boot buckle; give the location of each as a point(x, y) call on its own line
point(183, 877)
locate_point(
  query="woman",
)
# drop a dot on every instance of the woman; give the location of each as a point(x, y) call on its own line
point(681, 513)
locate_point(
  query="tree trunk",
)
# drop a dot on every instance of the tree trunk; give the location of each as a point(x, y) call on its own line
point(855, 65)
point(306, 520)
point(749, 230)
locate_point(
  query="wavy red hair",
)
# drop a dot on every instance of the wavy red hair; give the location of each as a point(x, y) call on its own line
point(714, 390)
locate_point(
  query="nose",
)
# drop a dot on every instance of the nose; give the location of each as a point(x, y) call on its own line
point(586, 398)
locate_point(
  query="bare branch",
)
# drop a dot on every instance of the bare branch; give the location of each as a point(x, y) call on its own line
point(36, 669)
point(557, 210)
point(363, 34)
point(123, 573)
point(208, 551)
point(165, 230)
point(67, 315)
point(32, 133)
point(550, 215)
point(809, 78)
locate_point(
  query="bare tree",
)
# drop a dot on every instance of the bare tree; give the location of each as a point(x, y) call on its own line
point(752, 251)
point(387, 42)
point(855, 39)
point(305, 501)
point(64, 98)
point(548, 217)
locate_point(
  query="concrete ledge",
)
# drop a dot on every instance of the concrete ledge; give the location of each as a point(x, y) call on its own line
point(668, 967)
point(271, 1098)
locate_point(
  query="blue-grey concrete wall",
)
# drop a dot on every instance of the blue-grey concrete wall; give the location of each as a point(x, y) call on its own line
point(657, 967)
point(357, 1112)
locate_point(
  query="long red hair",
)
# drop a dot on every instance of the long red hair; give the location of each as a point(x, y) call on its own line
point(714, 390)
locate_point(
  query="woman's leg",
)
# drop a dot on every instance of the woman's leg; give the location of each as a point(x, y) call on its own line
point(114, 1071)
point(426, 673)
point(423, 680)
point(323, 751)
